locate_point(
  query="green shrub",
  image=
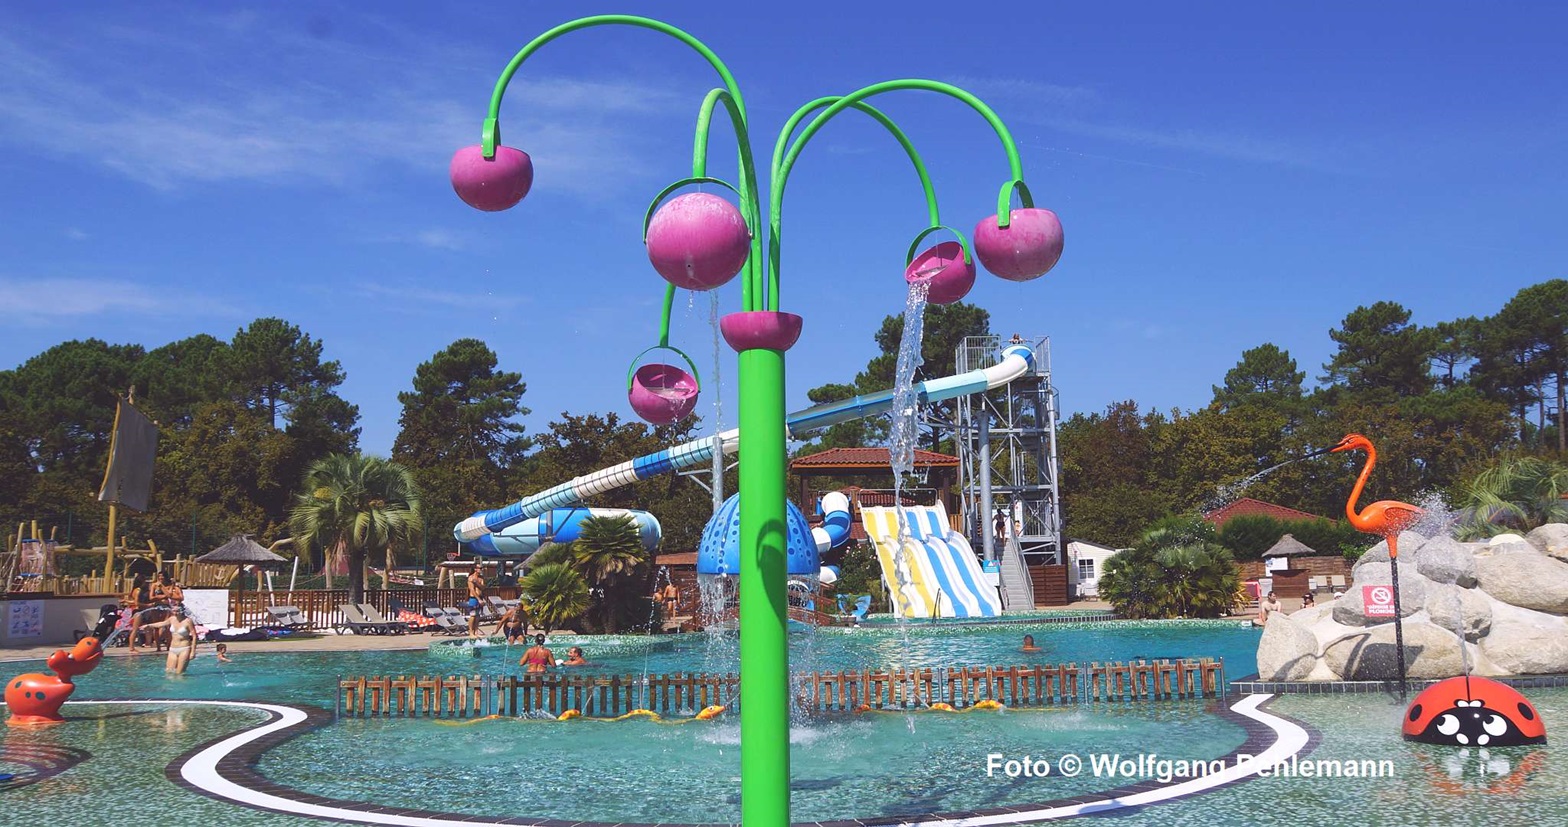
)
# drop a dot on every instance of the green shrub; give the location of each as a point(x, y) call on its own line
point(1250, 535)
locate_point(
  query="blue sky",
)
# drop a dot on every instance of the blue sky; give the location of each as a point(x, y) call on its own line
point(1227, 174)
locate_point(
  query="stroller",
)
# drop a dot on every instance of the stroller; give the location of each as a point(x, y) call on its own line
point(108, 620)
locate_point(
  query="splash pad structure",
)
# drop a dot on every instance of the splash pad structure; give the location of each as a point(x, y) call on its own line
point(692, 243)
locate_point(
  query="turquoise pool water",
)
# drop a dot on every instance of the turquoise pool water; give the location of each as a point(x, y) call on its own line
point(892, 764)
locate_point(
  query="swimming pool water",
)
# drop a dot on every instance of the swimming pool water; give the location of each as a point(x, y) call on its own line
point(887, 764)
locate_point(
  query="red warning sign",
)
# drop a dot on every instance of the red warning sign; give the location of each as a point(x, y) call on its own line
point(1378, 600)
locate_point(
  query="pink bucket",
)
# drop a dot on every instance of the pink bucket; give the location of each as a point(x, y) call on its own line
point(698, 241)
point(943, 268)
point(661, 394)
point(491, 184)
point(1026, 249)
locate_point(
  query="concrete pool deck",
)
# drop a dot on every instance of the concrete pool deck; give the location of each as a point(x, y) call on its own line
point(312, 642)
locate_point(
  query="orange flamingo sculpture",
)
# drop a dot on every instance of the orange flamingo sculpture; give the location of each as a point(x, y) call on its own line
point(1386, 518)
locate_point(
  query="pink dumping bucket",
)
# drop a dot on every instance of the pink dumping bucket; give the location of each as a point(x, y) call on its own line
point(661, 394)
point(698, 241)
point(1026, 249)
point(943, 268)
point(761, 329)
point(491, 184)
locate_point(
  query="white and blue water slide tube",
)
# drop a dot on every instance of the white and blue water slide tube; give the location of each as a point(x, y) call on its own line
point(1016, 361)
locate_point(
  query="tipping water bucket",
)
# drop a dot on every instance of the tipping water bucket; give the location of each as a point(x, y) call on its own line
point(947, 268)
point(662, 393)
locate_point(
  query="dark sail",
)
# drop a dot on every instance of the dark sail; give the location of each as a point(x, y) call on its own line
point(134, 446)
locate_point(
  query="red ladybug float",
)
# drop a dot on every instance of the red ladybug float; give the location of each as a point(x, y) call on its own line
point(1473, 712)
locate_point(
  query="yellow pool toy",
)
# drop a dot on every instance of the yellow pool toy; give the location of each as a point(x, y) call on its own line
point(942, 707)
point(568, 715)
point(708, 713)
point(987, 704)
point(638, 713)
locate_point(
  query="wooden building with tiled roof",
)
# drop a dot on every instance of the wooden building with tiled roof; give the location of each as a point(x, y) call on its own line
point(1247, 507)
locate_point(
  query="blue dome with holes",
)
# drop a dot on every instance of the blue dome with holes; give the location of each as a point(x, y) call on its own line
point(719, 552)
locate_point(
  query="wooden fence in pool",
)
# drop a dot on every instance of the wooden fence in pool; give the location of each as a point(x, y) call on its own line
point(683, 694)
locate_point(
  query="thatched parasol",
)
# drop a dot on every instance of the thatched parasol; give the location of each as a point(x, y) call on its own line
point(242, 551)
point(1289, 546)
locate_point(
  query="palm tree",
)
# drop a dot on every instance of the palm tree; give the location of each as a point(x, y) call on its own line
point(608, 552)
point(1516, 494)
point(350, 505)
point(1177, 569)
point(556, 594)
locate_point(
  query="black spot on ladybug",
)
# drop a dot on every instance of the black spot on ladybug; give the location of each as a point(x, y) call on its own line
point(1526, 712)
point(1415, 711)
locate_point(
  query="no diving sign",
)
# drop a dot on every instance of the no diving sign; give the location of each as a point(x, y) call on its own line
point(1378, 600)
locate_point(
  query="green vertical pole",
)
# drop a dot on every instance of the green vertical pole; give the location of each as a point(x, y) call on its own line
point(764, 652)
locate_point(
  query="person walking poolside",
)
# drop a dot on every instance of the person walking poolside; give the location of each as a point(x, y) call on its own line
point(476, 598)
point(1269, 606)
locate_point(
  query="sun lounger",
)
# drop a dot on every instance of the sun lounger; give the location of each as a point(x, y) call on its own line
point(371, 614)
point(288, 617)
point(448, 620)
point(355, 621)
point(496, 607)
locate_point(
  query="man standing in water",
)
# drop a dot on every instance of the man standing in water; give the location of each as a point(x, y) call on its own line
point(476, 598)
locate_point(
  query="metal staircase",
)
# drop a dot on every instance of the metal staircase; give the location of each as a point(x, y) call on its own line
point(1017, 585)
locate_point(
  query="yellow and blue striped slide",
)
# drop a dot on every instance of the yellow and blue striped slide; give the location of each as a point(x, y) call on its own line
point(934, 573)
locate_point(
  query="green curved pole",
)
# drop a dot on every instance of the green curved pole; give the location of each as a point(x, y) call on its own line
point(781, 168)
point(764, 720)
point(898, 134)
point(491, 136)
point(699, 169)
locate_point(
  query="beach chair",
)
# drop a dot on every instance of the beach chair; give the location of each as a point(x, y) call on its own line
point(288, 617)
point(395, 627)
point(355, 621)
point(496, 606)
point(448, 621)
point(1337, 582)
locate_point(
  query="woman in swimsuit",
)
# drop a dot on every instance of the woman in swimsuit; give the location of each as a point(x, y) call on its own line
point(139, 602)
point(537, 658)
point(182, 640)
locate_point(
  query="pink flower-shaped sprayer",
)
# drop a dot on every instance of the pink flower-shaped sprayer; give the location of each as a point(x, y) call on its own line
point(698, 241)
point(945, 272)
point(491, 184)
point(1026, 249)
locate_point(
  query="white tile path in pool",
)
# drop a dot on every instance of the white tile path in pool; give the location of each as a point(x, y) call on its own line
point(201, 770)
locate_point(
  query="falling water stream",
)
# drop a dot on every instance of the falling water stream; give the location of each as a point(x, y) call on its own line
point(902, 439)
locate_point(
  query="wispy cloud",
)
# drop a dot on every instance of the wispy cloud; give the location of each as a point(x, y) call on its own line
point(44, 299)
point(1075, 111)
point(288, 128)
point(434, 238)
point(75, 234)
point(1027, 90)
point(415, 298)
point(1217, 144)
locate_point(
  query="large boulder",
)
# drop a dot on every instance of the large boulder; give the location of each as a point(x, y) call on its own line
point(1287, 651)
point(1462, 611)
point(1526, 642)
point(1444, 560)
point(1350, 608)
point(1520, 575)
point(1371, 654)
point(1551, 539)
point(1410, 544)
